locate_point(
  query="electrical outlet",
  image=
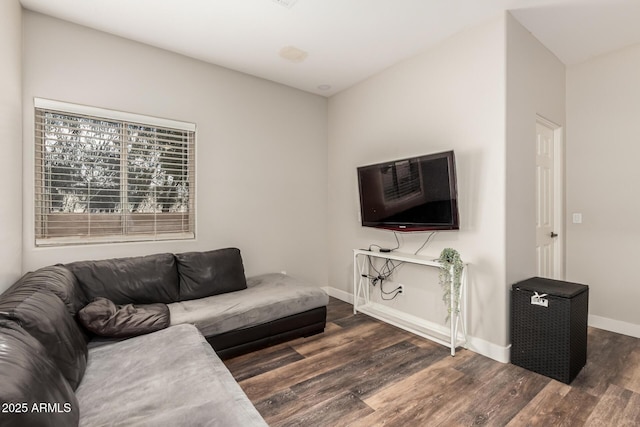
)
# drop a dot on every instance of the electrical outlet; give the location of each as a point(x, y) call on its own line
point(400, 289)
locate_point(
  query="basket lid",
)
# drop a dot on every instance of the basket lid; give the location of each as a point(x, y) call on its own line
point(553, 287)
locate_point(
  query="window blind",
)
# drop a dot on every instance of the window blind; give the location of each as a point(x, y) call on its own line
point(401, 180)
point(102, 179)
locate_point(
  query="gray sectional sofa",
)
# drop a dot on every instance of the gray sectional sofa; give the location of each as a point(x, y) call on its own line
point(131, 341)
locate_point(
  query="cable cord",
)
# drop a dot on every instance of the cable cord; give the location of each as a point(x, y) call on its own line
point(397, 241)
point(380, 248)
point(383, 274)
point(425, 242)
point(385, 271)
point(394, 292)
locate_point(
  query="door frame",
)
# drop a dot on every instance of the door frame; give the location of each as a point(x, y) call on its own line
point(558, 195)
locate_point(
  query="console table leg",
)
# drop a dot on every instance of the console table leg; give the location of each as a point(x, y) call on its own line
point(453, 317)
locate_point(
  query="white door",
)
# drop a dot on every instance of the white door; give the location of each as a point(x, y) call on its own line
point(547, 203)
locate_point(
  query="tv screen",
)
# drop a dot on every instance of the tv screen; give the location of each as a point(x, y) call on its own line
point(414, 194)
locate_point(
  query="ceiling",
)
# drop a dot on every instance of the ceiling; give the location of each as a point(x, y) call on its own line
point(325, 46)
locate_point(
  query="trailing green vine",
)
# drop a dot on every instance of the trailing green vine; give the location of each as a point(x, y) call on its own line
point(450, 258)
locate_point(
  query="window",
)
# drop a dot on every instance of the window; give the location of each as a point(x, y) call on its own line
point(107, 176)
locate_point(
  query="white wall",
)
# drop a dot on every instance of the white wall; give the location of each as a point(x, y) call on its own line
point(603, 152)
point(449, 97)
point(535, 86)
point(11, 137)
point(261, 146)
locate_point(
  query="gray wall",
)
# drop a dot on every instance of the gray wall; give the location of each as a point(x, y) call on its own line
point(269, 157)
point(449, 97)
point(11, 140)
point(261, 146)
point(603, 148)
point(535, 86)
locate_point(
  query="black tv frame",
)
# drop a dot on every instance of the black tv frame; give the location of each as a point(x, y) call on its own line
point(384, 199)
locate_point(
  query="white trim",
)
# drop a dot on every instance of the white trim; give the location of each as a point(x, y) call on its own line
point(617, 326)
point(558, 192)
point(546, 122)
point(117, 238)
point(160, 127)
point(488, 349)
point(477, 345)
point(558, 195)
point(86, 110)
point(339, 294)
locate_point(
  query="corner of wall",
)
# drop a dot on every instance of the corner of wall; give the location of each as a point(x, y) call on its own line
point(11, 137)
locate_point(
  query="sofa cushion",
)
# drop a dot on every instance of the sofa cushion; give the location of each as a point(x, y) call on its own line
point(45, 317)
point(169, 378)
point(104, 318)
point(29, 377)
point(203, 274)
point(58, 280)
point(135, 280)
point(268, 297)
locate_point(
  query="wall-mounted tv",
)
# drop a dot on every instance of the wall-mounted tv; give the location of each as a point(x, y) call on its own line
point(414, 194)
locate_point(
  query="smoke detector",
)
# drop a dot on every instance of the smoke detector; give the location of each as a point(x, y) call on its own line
point(286, 3)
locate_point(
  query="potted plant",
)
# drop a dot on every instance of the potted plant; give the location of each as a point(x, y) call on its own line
point(451, 267)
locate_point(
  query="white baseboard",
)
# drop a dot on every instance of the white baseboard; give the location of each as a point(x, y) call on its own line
point(613, 325)
point(489, 349)
point(477, 345)
point(502, 354)
point(339, 294)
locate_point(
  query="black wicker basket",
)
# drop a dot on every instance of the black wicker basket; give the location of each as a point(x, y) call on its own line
point(549, 334)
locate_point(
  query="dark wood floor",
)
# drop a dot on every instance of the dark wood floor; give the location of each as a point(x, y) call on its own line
point(363, 372)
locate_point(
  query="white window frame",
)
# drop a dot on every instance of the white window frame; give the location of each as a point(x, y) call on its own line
point(119, 116)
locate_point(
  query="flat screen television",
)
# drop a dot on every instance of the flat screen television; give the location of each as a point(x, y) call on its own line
point(414, 194)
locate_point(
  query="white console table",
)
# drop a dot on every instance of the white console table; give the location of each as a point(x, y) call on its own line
point(451, 338)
